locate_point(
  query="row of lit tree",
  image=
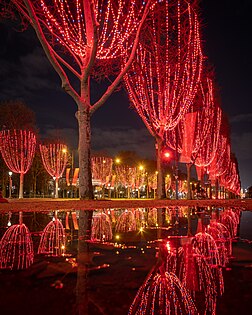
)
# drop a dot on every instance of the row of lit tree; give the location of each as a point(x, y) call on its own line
point(155, 46)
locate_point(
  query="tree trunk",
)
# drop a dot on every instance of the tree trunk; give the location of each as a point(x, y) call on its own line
point(189, 192)
point(85, 176)
point(217, 187)
point(85, 217)
point(34, 186)
point(160, 176)
point(21, 186)
point(56, 193)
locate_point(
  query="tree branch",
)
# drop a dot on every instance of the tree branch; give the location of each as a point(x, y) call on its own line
point(117, 80)
point(50, 52)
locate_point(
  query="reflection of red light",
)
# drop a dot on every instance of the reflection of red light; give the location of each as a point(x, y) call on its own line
point(168, 247)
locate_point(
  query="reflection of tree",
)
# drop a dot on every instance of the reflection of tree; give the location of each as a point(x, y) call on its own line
point(16, 247)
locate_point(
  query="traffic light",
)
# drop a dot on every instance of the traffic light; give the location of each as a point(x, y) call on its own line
point(167, 155)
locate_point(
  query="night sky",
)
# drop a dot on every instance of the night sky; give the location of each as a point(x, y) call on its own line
point(226, 31)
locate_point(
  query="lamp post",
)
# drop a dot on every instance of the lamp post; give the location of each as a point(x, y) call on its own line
point(117, 161)
point(10, 183)
point(141, 169)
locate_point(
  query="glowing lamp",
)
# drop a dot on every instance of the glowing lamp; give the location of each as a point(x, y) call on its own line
point(141, 168)
point(117, 161)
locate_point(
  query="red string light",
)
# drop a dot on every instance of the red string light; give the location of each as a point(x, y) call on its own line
point(101, 169)
point(16, 247)
point(164, 78)
point(18, 149)
point(52, 241)
point(54, 157)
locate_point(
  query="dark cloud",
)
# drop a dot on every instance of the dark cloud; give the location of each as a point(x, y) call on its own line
point(68, 135)
point(111, 140)
point(114, 140)
point(242, 145)
point(241, 118)
point(30, 74)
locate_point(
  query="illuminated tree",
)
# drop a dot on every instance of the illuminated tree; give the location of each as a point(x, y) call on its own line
point(152, 181)
point(101, 168)
point(230, 179)
point(84, 39)
point(14, 114)
point(18, 149)
point(223, 169)
point(219, 165)
point(164, 77)
point(126, 175)
point(54, 157)
point(196, 137)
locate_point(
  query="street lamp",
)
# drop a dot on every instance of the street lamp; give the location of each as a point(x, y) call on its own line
point(10, 183)
point(117, 161)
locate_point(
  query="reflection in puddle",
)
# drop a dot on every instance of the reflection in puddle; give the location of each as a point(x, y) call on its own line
point(182, 252)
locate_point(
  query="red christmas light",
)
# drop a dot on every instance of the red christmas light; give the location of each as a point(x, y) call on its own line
point(18, 149)
point(84, 39)
point(101, 227)
point(126, 222)
point(101, 169)
point(222, 237)
point(54, 157)
point(164, 78)
point(52, 241)
point(162, 293)
point(16, 247)
point(126, 176)
point(194, 272)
